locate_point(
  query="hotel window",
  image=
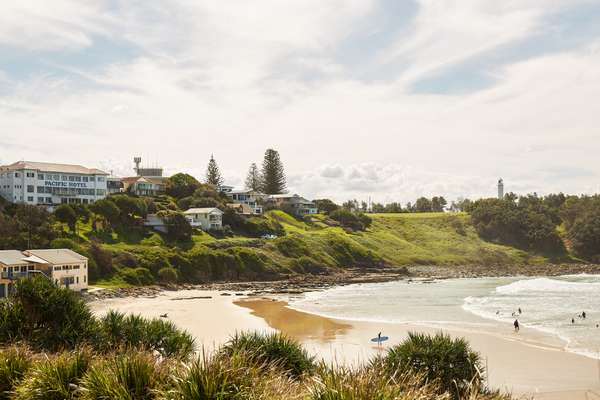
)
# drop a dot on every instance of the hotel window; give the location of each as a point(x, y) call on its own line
point(17, 175)
point(100, 192)
point(57, 268)
point(85, 178)
point(30, 175)
point(56, 177)
point(40, 199)
point(71, 178)
point(77, 179)
point(30, 189)
point(84, 279)
point(41, 177)
point(64, 177)
point(29, 198)
point(41, 189)
point(100, 179)
point(49, 200)
point(92, 178)
point(77, 279)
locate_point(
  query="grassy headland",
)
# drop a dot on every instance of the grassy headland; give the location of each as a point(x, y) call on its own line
point(314, 245)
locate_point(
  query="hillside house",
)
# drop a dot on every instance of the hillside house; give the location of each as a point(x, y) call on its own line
point(295, 204)
point(207, 219)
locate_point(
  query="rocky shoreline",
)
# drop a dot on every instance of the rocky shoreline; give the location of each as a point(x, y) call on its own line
point(298, 284)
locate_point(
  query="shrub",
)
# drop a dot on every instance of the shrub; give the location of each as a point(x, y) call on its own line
point(271, 348)
point(54, 379)
point(348, 219)
point(14, 363)
point(364, 383)
point(168, 275)
point(12, 321)
point(449, 362)
point(53, 317)
point(154, 240)
point(292, 246)
point(130, 376)
point(134, 331)
point(137, 276)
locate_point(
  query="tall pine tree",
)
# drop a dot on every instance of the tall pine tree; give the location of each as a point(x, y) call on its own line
point(272, 173)
point(213, 175)
point(253, 179)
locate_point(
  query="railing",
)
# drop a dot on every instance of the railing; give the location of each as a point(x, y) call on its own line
point(21, 274)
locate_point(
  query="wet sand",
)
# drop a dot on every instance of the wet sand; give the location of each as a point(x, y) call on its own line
point(519, 367)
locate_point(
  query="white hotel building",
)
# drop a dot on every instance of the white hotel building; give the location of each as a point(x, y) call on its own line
point(49, 184)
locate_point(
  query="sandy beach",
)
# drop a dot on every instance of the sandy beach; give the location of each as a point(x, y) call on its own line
point(520, 367)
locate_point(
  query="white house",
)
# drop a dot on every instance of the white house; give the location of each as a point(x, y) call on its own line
point(250, 197)
point(49, 184)
point(205, 218)
point(64, 267)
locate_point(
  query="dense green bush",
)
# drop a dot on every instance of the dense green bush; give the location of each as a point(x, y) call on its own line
point(527, 224)
point(14, 363)
point(271, 348)
point(449, 362)
point(350, 220)
point(136, 276)
point(120, 330)
point(168, 275)
point(128, 376)
point(292, 246)
point(52, 317)
point(55, 378)
point(12, 321)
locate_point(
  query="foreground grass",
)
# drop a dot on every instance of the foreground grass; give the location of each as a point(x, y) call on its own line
point(250, 366)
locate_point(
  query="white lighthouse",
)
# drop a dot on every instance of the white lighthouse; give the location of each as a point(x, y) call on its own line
point(500, 189)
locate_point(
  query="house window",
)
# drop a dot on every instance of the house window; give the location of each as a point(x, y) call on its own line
point(84, 279)
point(77, 279)
point(57, 268)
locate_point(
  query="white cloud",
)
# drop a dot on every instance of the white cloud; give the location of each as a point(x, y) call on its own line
point(216, 79)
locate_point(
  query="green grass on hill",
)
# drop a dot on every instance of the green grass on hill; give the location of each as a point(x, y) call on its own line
point(313, 245)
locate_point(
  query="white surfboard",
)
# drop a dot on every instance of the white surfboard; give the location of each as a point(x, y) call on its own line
point(380, 339)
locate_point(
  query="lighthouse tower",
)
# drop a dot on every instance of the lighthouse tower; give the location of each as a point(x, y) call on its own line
point(500, 189)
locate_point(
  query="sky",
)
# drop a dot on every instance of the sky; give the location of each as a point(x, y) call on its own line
point(381, 99)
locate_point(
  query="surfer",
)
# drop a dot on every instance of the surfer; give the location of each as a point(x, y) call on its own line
point(516, 324)
point(583, 315)
point(520, 311)
point(572, 320)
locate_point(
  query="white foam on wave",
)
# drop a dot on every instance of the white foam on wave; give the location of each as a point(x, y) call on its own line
point(547, 285)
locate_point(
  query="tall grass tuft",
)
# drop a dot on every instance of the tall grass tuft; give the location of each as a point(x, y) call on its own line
point(129, 376)
point(369, 383)
point(271, 348)
point(238, 376)
point(54, 378)
point(14, 363)
point(449, 362)
point(134, 331)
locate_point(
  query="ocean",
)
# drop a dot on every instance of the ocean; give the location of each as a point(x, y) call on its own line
point(488, 305)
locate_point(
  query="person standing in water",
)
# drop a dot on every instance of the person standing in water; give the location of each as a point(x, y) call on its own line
point(520, 311)
point(583, 315)
point(516, 324)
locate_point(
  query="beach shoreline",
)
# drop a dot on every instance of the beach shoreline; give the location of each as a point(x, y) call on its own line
point(301, 283)
point(525, 368)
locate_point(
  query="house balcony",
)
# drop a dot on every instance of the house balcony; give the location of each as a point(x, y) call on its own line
point(12, 276)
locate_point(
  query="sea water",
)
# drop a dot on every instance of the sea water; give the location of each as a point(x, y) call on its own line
point(489, 305)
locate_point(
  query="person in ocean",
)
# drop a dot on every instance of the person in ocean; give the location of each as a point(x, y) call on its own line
point(572, 320)
point(583, 315)
point(520, 311)
point(516, 324)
